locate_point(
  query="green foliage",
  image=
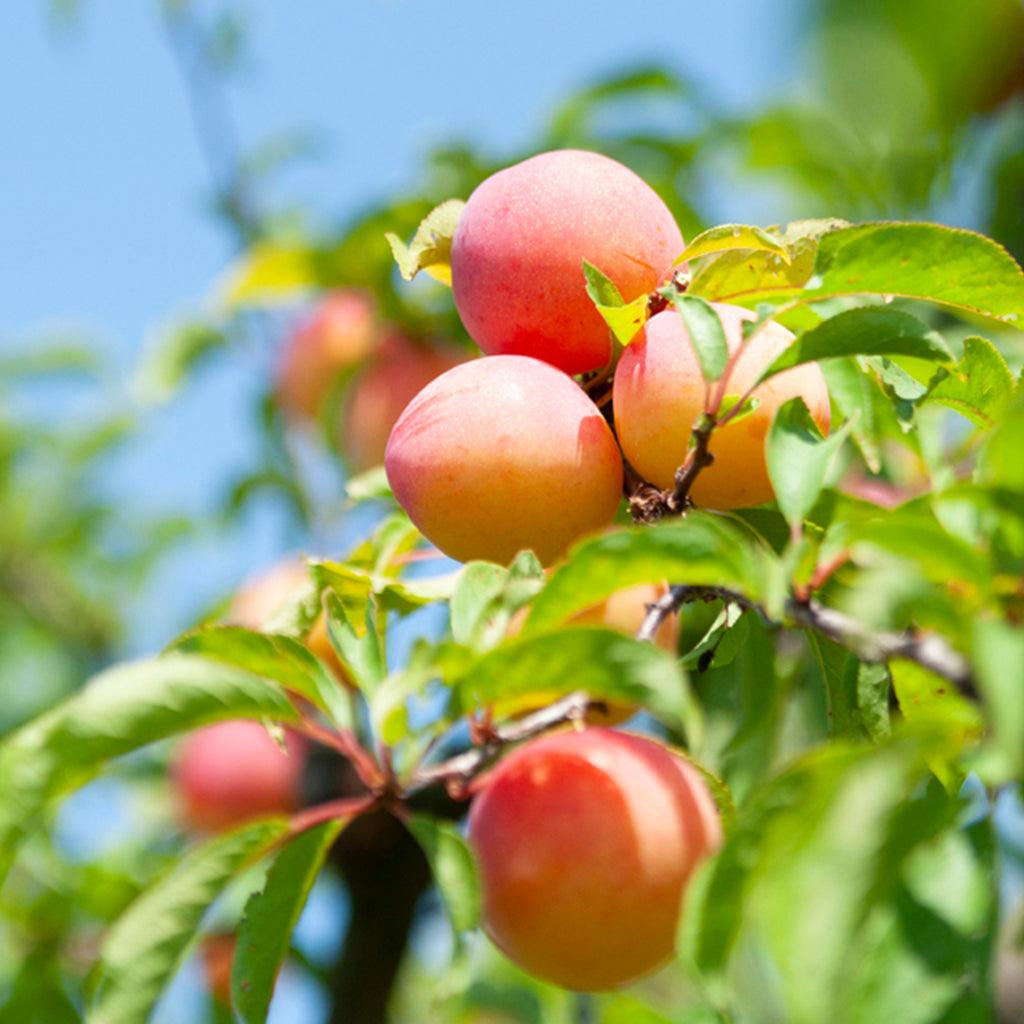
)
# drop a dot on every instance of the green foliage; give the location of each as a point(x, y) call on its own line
point(147, 945)
point(270, 916)
point(706, 334)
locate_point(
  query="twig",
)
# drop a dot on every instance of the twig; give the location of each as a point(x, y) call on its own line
point(928, 650)
point(349, 807)
point(697, 458)
point(457, 771)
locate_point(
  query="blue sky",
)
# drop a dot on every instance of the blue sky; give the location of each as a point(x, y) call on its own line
point(103, 184)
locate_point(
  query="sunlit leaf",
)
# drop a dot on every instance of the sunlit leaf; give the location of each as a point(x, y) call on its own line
point(733, 236)
point(431, 247)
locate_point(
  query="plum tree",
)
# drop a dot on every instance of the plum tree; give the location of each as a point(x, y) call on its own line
point(659, 393)
point(341, 331)
point(398, 369)
point(504, 453)
point(585, 842)
point(263, 594)
point(520, 243)
point(228, 773)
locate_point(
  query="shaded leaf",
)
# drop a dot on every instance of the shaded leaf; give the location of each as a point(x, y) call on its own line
point(271, 914)
point(798, 459)
point(978, 387)
point(453, 867)
point(869, 330)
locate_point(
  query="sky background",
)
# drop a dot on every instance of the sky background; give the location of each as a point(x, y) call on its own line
point(103, 185)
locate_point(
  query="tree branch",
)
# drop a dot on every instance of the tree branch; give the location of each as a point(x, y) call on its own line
point(928, 650)
point(458, 771)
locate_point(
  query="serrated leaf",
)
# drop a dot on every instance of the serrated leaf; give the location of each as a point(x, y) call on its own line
point(702, 549)
point(281, 658)
point(453, 867)
point(431, 247)
point(948, 266)
point(798, 459)
point(602, 662)
point(271, 914)
point(978, 387)
point(705, 331)
point(120, 710)
point(869, 330)
point(732, 236)
point(147, 944)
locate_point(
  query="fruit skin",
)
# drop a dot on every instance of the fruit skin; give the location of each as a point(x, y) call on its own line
point(218, 952)
point(231, 772)
point(340, 332)
point(659, 392)
point(383, 388)
point(504, 453)
point(518, 250)
point(585, 843)
point(263, 594)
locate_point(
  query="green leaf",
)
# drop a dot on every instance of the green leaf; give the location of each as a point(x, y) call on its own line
point(478, 586)
point(869, 330)
point(453, 868)
point(978, 387)
point(120, 710)
point(354, 586)
point(747, 276)
point(360, 651)
point(146, 946)
point(271, 914)
point(431, 247)
point(838, 670)
point(999, 667)
point(705, 331)
point(177, 353)
point(732, 236)
point(277, 657)
point(600, 287)
point(873, 687)
point(855, 395)
point(929, 700)
point(369, 486)
point(947, 266)
point(602, 662)
point(702, 549)
point(624, 319)
point(798, 459)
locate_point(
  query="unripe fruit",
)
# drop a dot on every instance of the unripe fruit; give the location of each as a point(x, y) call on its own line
point(659, 393)
point(231, 772)
point(504, 453)
point(585, 843)
point(519, 247)
point(261, 596)
point(341, 331)
point(388, 383)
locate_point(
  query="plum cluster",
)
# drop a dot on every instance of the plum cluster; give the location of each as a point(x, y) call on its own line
point(507, 451)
